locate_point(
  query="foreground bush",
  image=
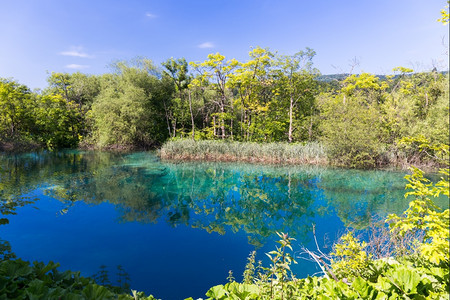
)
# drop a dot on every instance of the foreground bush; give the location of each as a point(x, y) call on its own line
point(403, 277)
point(20, 280)
point(397, 280)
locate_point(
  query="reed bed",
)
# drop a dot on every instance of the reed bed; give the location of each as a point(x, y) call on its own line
point(212, 150)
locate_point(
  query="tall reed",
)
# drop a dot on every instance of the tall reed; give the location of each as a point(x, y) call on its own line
point(213, 150)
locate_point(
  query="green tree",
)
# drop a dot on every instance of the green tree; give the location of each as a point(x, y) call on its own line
point(295, 83)
point(352, 131)
point(16, 107)
point(57, 122)
point(78, 88)
point(252, 84)
point(129, 110)
point(177, 70)
point(216, 71)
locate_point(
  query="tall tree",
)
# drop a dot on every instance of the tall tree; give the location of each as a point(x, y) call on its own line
point(252, 84)
point(216, 71)
point(77, 88)
point(16, 108)
point(177, 70)
point(295, 81)
point(128, 110)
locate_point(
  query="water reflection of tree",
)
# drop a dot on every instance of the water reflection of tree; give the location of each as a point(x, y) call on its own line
point(258, 200)
point(358, 196)
point(120, 285)
point(15, 183)
point(214, 198)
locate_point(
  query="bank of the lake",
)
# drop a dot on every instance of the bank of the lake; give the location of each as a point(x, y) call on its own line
point(228, 151)
point(273, 153)
point(279, 153)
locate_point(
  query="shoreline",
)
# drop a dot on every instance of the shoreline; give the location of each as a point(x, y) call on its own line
point(282, 154)
point(260, 161)
point(212, 155)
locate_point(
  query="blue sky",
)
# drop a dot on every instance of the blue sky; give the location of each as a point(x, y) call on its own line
point(38, 37)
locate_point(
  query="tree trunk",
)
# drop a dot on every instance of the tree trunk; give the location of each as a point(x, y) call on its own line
point(192, 116)
point(291, 109)
point(214, 125)
point(174, 127)
point(231, 122)
point(167, 118)
point(222, 121)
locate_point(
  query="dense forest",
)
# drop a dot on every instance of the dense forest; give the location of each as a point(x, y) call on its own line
point(360, 118)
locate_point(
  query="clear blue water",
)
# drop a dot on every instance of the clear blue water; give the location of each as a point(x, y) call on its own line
point(177, 229)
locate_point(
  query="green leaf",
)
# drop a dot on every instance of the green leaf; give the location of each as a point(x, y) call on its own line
point(406, 279)
point(94, 292)
point(14, 268)
point(217, 292)
point(36, 289)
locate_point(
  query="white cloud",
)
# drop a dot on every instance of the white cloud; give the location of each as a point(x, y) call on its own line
point(206, 45)
point(77, 67)
point(150, 15)
point(76, 52)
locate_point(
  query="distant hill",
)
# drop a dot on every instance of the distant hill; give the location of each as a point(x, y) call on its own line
point(332, 77)
point(340, 77)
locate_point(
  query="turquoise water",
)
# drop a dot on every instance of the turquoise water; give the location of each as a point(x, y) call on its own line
point(177, 229)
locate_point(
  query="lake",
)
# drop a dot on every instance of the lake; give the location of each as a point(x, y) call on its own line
point(175, 230)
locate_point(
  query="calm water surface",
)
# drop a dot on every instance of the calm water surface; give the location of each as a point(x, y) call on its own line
point(177, 229)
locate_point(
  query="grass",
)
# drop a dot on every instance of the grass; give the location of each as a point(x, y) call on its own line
point(213, 150)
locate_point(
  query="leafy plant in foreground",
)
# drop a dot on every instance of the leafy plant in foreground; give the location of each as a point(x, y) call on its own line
point(21, 280)
point(405, 275)
point(425, 217)
point(349, 259)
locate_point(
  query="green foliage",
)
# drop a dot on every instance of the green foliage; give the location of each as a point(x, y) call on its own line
point(364, 120)
point(355, 274)
point(266, 98)
point(349, 259)
point(405, 278)
point(5, 250)
point(364, 84)
point(233, 290)
point(20, 280)
point(281, 259)
point(445, 16)
point(16, 106)
point(425, 217)
point(249, 271)
point(48, 119)
point(57, 122)
point(128, 111)
point(391, 279)
point(402, 70)
point(352, 131)
point(284, 153)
